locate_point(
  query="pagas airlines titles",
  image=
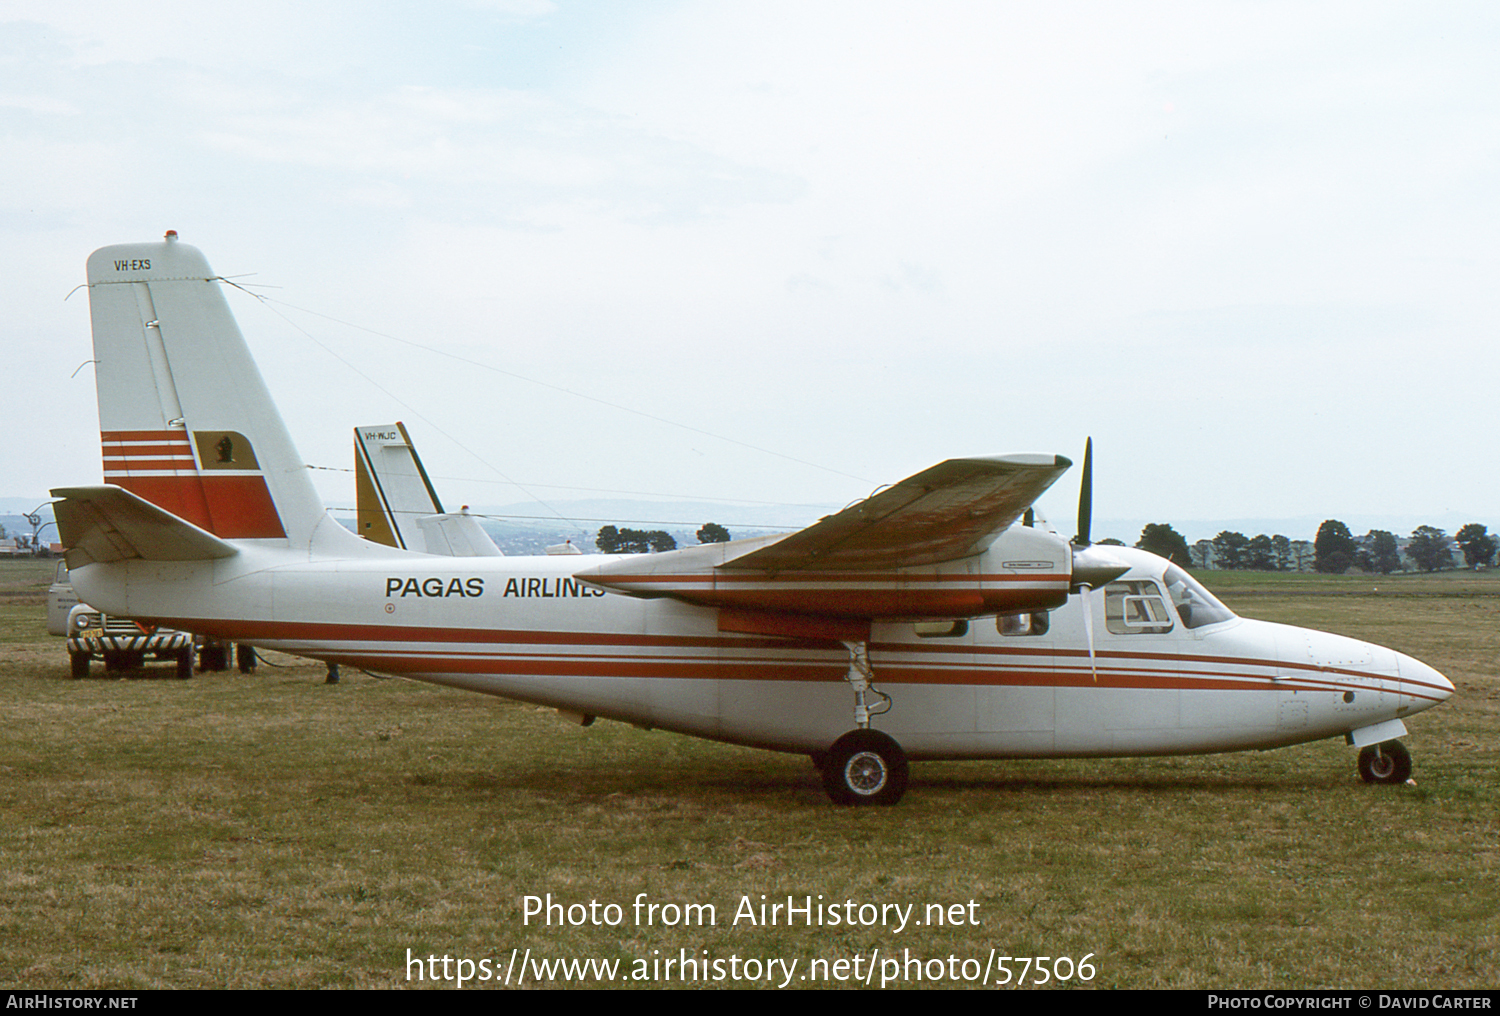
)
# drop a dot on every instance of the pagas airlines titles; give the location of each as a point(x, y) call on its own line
point(437, 588)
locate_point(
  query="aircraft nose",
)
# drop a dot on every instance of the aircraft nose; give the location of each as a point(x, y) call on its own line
point(1422, 683)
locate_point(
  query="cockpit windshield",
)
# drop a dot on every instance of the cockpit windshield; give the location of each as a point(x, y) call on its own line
point(1195, 605)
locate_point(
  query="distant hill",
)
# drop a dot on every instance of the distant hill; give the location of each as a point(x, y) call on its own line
point(18, 506)
point(594, 512)
point(528, 526)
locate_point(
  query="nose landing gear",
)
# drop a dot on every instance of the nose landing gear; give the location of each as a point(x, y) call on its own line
point(1388, 762)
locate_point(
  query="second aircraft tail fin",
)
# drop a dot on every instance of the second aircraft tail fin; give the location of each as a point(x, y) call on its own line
point(397, 504)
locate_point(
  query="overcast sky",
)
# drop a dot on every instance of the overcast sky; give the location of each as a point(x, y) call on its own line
point(799, 249)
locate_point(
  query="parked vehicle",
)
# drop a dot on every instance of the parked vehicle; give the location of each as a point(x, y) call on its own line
point(123, 644)
point(60, 600)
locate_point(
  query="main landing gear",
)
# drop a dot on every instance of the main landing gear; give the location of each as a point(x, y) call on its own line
point(864, 766)
point(1388, 762)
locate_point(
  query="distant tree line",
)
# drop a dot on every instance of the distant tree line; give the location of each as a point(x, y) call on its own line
point(634, 541)
point(612, 540)
point(1335, 550)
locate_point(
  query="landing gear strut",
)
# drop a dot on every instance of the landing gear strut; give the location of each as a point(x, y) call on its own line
point(1388, 762)
point(862, 679)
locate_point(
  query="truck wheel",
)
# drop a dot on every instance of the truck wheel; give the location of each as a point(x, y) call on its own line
point(80, 662)
point(185, 663)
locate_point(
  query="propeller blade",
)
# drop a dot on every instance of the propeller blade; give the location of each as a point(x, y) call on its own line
point(1088, 627)
point(1086, 496)
point(1092, 566)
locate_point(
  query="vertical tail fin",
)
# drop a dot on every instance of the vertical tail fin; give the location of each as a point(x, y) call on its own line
point(184, 416)
point(397, 504)
point(392, 488)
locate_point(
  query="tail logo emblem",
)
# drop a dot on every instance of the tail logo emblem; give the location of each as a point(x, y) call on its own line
point(225, 449)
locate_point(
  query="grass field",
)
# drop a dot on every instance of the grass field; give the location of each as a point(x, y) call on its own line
point(274, 831)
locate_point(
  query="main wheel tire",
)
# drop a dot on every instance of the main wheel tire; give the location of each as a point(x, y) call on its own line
point(80, 664)
point(185, 663)
point(212, 659)
point(865, 767)
point(245, 655)
point(1385, 763)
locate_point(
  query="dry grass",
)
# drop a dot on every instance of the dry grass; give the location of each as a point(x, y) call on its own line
point(24, 580)
point(272, 831)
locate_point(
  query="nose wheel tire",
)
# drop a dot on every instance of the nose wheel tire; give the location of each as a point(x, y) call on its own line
point(1385, 763)
point(864, 767)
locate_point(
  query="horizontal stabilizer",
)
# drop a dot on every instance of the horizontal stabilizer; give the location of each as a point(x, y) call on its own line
point(455, 534)
point(101, 524)
point(953, 510)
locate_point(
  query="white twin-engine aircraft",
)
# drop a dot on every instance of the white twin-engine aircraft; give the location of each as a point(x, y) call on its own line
point(928, 621)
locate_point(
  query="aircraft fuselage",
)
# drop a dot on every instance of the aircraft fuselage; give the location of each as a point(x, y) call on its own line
point(528, 628)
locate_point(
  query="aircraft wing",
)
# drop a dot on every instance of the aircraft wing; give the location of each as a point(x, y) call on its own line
point(953, 510)
point(902, 553)
point(108, 523)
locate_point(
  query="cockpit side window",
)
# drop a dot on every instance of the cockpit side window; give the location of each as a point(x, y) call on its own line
point(1195, 605)
point(1136, 607)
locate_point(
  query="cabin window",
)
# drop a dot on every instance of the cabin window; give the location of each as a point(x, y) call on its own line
point(1136, 608)
point(1023, 624)
point(941, 629)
